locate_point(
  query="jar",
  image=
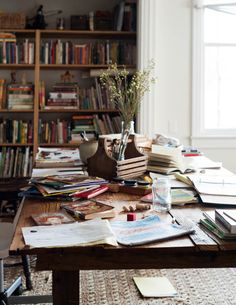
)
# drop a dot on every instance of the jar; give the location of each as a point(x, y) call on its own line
point(161, 194)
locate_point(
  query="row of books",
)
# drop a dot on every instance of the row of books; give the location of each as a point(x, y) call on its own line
point(16, 52)
point(221, 222)
point(69, 131)
point(125, 15)
point(16, 96)
point(16, 131)
point(16, 162)
point(67, 52)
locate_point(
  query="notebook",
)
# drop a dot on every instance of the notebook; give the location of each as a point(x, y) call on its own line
point(155, 286)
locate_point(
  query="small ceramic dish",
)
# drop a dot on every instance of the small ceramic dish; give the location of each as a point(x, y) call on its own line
point(130, 182)
point(143, 183)
point(118, 180)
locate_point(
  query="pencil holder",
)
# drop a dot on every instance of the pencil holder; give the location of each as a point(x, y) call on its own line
point(102, 164)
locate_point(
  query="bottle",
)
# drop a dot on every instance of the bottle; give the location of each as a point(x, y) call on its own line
point(161, 194)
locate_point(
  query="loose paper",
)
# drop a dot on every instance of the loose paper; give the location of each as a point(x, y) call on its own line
point(155, 286)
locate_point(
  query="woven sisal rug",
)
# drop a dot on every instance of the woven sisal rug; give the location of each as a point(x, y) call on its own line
point(194, 286)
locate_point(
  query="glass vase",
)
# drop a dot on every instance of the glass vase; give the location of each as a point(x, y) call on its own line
point(126, 130)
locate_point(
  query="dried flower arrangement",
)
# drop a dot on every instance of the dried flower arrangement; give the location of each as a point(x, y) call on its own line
point(126, 92)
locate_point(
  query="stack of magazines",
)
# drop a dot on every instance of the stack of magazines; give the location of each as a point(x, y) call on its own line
point(65, 187)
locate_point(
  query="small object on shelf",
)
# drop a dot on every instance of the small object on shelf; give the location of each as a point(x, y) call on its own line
point(60, 23)
point(12, 20)
point(79, 22)
point(131, 217)
point(67, 77)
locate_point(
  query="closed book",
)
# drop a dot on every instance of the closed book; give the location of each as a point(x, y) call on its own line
point(228, 222)
point(91, 193)
point(90, 209)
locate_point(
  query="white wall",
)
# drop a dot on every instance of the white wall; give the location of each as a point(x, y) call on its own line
point(171, 102)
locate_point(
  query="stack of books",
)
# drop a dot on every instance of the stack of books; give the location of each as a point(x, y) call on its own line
point(67, 187)
point(83, 124)
point(20, 96)
point(221, 222)
point(63, 96)
point(165, 160)
point(57, 157)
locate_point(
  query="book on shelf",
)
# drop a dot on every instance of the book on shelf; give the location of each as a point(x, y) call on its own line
point(212, 224)
point(54, 218)
point(90, 209)
point(226, 217)
point(147, 230)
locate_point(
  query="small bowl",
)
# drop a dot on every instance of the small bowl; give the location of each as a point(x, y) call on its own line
point(130, 182)
point(118, 180)
point(143, 183)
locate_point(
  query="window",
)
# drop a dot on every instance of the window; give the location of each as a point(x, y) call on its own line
point(214, 68)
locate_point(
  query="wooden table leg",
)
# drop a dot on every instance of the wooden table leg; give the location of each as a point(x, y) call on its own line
point(65, 287)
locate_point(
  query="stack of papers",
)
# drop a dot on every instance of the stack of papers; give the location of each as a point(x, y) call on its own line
point(66, 187)
point(92, 232)
point(57, 157)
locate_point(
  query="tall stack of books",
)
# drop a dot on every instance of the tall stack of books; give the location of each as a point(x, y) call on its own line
point(83, 125)
point(20, 96)
point(63, 96)
point(221, 222)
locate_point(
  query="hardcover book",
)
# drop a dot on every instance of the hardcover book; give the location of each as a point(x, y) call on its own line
point(226, 217)
point(90, 209)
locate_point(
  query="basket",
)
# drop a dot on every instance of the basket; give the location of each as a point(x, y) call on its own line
point(12, 21)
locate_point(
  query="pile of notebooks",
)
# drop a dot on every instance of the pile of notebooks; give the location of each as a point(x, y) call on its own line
point(65, 187)
point(221, 222)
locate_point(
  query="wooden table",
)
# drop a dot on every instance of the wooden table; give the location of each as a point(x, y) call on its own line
point(195, 251)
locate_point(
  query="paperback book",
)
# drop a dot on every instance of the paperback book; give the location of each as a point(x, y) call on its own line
point(56, 218)
point(90, 209)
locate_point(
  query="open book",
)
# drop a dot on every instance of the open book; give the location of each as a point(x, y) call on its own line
point(167, 160)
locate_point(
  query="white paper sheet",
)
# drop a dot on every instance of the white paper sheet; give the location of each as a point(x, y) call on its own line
point(96, 231)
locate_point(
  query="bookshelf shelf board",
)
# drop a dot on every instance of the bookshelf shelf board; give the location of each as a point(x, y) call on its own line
point(20, 32)
point(17, 66)
point(74, 66)
point(59, 145)
point(17, 111)
point(80, 110)
point(88, 34)
point(16, 144)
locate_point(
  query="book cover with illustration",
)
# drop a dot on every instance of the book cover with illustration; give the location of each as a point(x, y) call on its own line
point(90, 209)
point(56, 218)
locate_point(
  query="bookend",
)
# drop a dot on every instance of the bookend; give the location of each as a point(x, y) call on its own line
point(101, 164)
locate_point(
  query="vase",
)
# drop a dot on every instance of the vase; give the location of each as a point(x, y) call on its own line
point(126, 130)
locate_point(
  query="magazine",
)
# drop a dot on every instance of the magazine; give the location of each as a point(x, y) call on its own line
point(147, 230)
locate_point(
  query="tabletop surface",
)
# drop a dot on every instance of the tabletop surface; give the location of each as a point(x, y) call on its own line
point(198, 249)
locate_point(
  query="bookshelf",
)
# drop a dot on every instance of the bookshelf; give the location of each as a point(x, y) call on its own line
point(39, 70)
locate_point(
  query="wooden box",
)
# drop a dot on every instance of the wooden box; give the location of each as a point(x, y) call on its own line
point(101, 164)
point(12, 21)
